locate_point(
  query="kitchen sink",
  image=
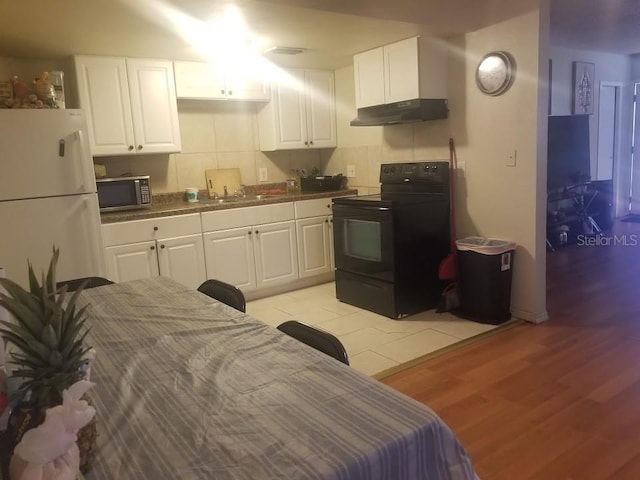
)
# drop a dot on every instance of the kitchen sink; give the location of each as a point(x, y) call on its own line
point(232, 199)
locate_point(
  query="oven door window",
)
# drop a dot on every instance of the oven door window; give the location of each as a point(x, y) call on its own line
point(363, 241)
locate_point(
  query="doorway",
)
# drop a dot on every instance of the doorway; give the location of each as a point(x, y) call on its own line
point(607, 127)
point(607, 171)
point(634, 193)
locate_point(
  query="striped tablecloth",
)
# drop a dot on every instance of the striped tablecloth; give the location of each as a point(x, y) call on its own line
point(188, 388)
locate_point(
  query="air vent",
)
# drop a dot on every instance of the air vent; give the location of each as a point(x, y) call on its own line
point(285, 50)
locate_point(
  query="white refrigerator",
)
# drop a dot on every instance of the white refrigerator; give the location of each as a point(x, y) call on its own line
point(48, 195)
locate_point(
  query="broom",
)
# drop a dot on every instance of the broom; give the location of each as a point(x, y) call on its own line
point(448, 268)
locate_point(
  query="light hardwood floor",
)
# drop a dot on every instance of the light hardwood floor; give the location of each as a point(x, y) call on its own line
point(559, 400)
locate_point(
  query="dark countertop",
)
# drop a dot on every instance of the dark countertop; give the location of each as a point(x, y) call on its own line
point(176, 205)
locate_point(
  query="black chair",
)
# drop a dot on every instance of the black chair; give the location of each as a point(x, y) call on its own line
point(74, 284)
point(315, 338)
point(225, 293)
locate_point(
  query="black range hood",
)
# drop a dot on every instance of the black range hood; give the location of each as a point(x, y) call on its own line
point(417, 110)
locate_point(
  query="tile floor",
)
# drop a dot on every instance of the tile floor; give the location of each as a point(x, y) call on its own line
point(374, 343)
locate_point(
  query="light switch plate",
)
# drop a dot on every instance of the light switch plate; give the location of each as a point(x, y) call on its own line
point(351, 171)
point(262, 174)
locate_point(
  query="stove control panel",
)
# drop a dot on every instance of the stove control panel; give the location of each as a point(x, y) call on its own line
point(437, 172)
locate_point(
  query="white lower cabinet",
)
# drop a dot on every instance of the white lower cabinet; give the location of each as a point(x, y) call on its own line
point(132, 261)
point(315, 240)
point(314, 227)
point(274, 246)
point(255, 255)
point(229, 257)
point(167, 246)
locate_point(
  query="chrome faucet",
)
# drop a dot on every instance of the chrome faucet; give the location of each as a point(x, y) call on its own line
point(226, 193)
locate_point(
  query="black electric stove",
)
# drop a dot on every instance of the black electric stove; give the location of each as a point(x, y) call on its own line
point(388, 247)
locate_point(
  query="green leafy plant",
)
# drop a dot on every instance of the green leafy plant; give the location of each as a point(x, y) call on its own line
point(48, 335)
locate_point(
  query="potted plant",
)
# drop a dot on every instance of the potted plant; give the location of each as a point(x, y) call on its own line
point(47, 338)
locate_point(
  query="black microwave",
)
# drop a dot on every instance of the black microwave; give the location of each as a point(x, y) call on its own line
point(124, 193)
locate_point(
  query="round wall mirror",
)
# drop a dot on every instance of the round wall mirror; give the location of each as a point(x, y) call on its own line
point(495, 73)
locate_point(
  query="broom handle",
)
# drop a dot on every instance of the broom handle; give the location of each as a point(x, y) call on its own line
point(453, 167)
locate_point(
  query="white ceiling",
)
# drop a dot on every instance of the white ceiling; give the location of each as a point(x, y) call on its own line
point(331, 30)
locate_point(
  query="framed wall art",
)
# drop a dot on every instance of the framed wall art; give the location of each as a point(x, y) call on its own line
point(583, 84)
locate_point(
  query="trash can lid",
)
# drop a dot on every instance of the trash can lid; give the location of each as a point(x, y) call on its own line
point(486, 246)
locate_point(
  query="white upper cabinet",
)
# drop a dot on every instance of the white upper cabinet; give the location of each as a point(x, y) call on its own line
point(208, 81)
point(404, 70)
point(369, 77)
point(130, 103)
point(301, 113)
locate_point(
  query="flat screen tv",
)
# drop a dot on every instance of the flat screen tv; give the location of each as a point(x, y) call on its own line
point(567, 150)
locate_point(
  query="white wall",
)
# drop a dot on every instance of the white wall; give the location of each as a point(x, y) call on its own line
point(498, 200)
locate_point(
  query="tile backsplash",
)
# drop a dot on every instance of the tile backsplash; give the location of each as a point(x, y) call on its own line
point(214, 135)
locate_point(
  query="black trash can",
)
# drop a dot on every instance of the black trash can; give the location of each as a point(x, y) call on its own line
point(485, 268)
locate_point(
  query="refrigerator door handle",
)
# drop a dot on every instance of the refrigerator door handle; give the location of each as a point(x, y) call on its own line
point(96, 233)
point(85, 155)
point(61, 145)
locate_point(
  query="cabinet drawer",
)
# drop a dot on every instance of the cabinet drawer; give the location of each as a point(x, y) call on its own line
point(313, 208)
point(150, 229)
point(246, 216)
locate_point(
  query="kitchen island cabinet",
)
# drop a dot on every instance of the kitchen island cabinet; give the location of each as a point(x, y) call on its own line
point(169, 246)
point(130, 103)
point(258, 252)
point(301, 114)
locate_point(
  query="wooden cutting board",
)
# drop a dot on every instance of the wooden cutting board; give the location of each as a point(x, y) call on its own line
point(218, 178)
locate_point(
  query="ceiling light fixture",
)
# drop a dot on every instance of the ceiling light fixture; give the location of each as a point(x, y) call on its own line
point(277, 50)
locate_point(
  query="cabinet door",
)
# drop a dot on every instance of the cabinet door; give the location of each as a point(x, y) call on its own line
point(104, 94)
point(243, 85)
point(131, 261)
point(320, 109)
point(182, 259)
point(401, 74)
point(276, 255)
point(199, 80)
point(229, 257)
point(153, 106)
point(290, 119)
point(313, 246)
point(369, 77)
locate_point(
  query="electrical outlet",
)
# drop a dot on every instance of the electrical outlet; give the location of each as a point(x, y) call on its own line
point(511, 158)
point(262, 173)
point(351, 171)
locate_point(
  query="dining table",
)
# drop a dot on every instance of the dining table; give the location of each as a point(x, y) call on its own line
point(188, 388)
